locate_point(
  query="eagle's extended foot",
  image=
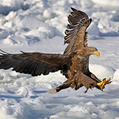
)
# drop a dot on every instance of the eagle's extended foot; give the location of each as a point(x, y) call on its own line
point(52, 91)
point(103, 83)
point(66, 84)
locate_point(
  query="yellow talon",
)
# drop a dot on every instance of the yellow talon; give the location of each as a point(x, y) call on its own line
point(103, 83)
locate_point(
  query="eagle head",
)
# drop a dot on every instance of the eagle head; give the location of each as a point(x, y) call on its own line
point(87, 51)
point(92, 51)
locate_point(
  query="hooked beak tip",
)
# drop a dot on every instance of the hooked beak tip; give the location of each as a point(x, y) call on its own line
point(96, 53)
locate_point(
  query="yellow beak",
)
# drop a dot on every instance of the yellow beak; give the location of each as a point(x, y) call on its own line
point(96, 53)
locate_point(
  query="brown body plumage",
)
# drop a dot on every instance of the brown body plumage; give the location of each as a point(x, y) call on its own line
point(73, 63)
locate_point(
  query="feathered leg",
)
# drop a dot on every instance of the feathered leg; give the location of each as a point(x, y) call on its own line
point(73, 83)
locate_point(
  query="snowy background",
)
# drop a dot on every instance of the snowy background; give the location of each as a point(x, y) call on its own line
point(39, 25)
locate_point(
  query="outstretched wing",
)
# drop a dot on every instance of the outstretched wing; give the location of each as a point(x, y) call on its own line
point(33, 63)
point(76, 35)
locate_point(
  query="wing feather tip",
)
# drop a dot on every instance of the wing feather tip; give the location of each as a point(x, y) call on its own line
point(73, 9)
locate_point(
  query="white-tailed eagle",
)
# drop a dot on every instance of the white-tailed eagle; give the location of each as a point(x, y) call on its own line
point(73, 63)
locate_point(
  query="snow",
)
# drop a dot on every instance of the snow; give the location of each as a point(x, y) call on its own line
point(108, 3)
point(39, 25)
point(7, 6)
point(101, 71)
